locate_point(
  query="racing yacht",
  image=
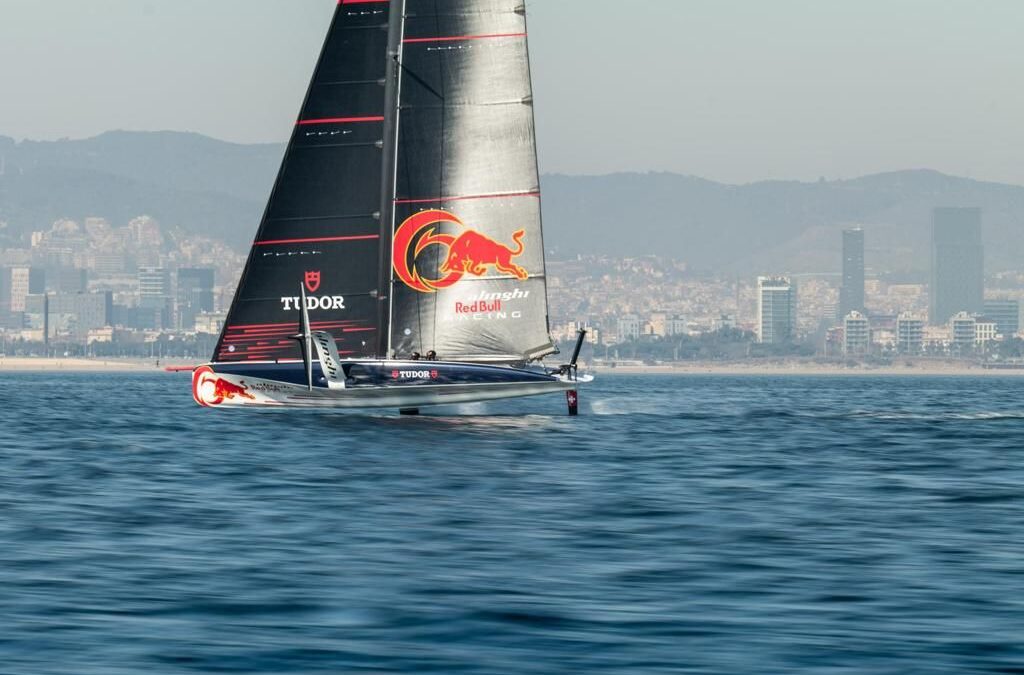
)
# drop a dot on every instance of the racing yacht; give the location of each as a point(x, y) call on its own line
point(400, 259)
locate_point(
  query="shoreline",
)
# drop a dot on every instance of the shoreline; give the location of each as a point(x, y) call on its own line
point(813, 369)
point(26, 364)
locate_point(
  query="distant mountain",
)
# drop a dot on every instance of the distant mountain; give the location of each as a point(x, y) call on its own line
point(775, 226)
point(185, 180)
point(209, 186)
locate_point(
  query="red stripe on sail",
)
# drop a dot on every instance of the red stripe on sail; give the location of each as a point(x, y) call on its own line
point(435, 200)
point(243, 326)
point(267, 333)
point(275, 242)
point(457, 38)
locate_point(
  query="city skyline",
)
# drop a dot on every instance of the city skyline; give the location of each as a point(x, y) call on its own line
point(164, 293)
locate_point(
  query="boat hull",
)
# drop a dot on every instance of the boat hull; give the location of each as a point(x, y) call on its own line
point(368, 384)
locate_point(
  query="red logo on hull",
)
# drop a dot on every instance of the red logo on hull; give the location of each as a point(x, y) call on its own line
point(471, 252)
point(208, 390)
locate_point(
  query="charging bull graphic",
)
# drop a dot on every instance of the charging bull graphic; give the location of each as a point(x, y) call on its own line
point(207, 389)
point(472, 252)
point(468, 253)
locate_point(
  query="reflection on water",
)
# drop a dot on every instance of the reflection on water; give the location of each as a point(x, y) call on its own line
point(682, 524)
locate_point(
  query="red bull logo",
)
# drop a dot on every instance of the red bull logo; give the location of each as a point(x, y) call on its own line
point(470, 252)
point(208, 389)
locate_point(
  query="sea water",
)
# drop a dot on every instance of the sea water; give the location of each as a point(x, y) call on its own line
point(698, 524)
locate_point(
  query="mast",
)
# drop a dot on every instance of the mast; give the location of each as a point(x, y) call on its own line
point(536, 163)
point(392, 114)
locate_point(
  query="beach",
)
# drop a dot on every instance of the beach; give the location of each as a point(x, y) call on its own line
point(930, 368)
point(39, 364)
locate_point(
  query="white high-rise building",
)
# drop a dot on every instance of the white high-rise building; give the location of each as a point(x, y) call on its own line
point(856, 334)
point(963, 329)
point(909, 333)
point(776, 310)
point(985, 331)
point(629, 327)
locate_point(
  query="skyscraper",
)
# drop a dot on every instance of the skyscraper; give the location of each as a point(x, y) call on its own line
point(16, 284)
point(851, 295)
point(776, 310)
point(154, 298)
point(195, 295)
point(958, 272)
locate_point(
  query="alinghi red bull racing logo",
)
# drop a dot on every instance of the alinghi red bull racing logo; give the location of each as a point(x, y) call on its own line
point(470, 252)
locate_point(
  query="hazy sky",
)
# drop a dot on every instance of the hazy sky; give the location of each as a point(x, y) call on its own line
point(734, 90)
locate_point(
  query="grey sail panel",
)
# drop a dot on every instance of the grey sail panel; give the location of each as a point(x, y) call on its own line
point(322, 225)
point(468, 251)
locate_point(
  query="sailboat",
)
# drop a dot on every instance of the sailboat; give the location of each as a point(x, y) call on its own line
point(400, 259)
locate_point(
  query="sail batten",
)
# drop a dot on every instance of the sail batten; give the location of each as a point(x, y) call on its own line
point(460, 198)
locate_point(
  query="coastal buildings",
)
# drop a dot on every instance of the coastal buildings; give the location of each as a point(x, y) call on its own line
point(1006, 314)
point(962, 332)
point(851, 293)
point(985, 331)
point(653, 302)
point(776, 310)
point(856, 334)
point(629, 328)
point(16, 284)
point(957, 270)
point(910, 330)
point(71, 315)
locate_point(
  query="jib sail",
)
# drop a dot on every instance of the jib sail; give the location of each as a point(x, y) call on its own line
point(467, 251)
point(323, 225)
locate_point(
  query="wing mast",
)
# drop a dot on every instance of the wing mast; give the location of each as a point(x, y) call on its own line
point(392, 119)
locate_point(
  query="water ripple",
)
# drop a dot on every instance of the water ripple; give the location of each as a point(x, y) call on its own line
point(682, 524)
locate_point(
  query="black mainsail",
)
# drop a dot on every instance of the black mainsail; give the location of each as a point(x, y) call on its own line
point(408, 200)
point(322, 226)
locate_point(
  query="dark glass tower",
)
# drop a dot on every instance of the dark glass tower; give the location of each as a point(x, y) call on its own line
point(195, 295)
point(851, 295)
point(958, 270)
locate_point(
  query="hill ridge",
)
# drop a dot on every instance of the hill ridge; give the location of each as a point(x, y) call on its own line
point(202, 184)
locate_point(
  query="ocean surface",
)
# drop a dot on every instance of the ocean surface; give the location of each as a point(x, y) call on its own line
point(682, 524)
